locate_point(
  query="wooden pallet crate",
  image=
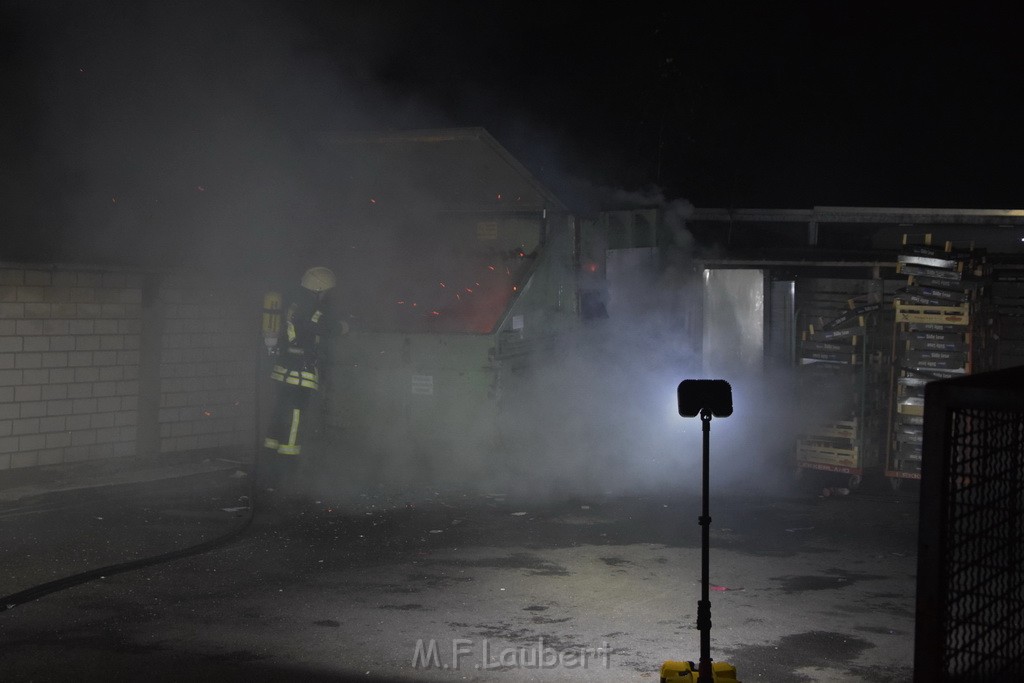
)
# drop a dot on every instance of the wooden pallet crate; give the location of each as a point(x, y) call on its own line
point(941, 315)
point(843, 429)
point(910, 409)
point(812, 452)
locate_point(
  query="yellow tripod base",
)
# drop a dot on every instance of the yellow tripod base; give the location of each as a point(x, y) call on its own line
point(686, 672)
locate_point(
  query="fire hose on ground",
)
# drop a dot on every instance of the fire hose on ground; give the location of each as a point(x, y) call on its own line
point(35, 592)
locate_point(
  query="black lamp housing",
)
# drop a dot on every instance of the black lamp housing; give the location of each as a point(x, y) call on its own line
point(712, 395)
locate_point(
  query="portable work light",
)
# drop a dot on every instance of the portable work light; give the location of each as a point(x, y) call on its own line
point(707, 398)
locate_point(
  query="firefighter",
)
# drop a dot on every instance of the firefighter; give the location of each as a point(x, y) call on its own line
point(296, 371)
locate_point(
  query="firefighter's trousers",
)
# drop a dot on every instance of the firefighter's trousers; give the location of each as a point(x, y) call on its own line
point(287, 427)
point(284, 436)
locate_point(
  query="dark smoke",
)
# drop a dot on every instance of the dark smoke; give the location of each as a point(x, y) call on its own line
point(178, 133)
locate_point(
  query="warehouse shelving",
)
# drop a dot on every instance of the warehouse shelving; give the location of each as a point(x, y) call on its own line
point(1008, 309)
point(843, 352)
point(940, 331)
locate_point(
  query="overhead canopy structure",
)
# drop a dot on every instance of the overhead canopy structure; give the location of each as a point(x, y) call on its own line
point(861, 227)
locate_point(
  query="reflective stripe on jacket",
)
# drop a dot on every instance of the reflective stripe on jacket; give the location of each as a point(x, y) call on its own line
point(299, 342)
point(307, 379)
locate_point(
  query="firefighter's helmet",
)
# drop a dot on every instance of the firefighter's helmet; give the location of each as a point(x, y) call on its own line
point(318, 279)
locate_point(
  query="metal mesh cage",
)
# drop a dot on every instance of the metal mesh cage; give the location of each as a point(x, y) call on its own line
point(970, 614)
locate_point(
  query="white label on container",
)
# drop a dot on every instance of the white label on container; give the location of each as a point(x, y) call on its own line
point(423, 384)
point(487, 231)
point(517, 322)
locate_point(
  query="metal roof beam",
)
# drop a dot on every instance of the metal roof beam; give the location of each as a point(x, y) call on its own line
point(865, 214)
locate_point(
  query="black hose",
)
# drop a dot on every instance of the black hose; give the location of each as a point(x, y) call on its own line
point(29, 594)
point(9, 601)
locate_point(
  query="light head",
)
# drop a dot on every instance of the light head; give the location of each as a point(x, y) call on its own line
point(711, 395)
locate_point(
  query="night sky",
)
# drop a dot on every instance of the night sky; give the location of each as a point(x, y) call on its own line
point(132, 125)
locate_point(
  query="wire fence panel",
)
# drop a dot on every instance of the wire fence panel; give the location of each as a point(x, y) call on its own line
point(970, 601)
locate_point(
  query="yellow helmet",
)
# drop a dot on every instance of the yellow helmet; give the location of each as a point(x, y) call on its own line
point(318, 279)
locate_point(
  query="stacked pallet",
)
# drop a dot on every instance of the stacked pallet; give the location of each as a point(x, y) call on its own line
point(1008, 305)
point(839, 339)
point(832, 446)
point(938, 334)
point(840, 360)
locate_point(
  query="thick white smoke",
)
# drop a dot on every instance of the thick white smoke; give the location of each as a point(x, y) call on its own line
point(179, 133)
point(596, 413)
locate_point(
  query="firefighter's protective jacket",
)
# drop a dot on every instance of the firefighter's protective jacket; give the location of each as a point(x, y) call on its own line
point(299, 341)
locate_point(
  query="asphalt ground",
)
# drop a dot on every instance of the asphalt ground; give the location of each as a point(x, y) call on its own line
point(447, 586)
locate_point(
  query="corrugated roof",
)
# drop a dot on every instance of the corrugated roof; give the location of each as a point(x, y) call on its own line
point(459, 169)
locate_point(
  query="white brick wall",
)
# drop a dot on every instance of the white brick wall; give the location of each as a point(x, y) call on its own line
point(70, 365)
point(207, 372)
